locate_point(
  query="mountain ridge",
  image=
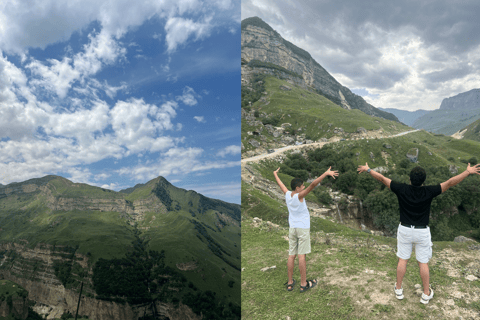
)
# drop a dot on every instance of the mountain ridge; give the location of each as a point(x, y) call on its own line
point(261, 43)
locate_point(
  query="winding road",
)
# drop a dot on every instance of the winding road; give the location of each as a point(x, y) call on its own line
point(311, 145)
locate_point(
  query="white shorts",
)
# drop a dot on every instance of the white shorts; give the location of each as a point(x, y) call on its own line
point(421, 238)
point(299, 241)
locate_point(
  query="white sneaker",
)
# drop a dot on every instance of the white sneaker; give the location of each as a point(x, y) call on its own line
point(398, 292)
point(425, 299)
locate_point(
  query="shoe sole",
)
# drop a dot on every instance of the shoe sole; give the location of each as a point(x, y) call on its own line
point(400, 297)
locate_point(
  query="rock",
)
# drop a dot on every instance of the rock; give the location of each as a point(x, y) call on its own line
point(308, 141)
point(323, 140)
point(268, 268)
point(418, 286)
point(254, 143)
point(381, 170)
point(429, 153)
point(288, 140)
point(363, 227)
point(453, 169)
point(286, 125)
point(361, 130)
point(462, 239)
point(372, 155)
point(285, 88)
point(242, 146)
point(357, 154)
point(387, 146)
point(243, 269)
point(471, 277)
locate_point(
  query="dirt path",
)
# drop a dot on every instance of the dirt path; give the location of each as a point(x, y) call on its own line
point(303, 146)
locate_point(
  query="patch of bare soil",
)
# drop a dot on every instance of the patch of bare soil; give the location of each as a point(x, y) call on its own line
point(187, 266)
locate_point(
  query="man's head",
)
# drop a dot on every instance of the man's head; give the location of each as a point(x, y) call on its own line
point(417, 176)
point(296, 183)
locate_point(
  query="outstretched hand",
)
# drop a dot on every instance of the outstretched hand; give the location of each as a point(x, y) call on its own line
point(474, 169)
point(331, 173)
point(363, 168)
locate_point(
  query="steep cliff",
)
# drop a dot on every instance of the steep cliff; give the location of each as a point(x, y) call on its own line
point(264, 48)
point(454, 114)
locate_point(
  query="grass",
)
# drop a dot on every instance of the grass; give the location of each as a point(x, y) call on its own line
point(313, 114)
point(355, 277)
point(9, 288)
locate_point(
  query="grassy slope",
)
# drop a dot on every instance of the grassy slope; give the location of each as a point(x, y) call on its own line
point(356, 274)
point(470, 133)
point(313, 112)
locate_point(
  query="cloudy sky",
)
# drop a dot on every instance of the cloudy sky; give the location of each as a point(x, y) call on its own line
point(115, 93)
point(407, 55)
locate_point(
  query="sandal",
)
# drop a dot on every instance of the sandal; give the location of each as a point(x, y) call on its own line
point(308, 286)
point(290, 286)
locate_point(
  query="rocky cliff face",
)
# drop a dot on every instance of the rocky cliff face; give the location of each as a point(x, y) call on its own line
point(465, 100)
point(260, 42)
point(455, 113)
point(33, 270)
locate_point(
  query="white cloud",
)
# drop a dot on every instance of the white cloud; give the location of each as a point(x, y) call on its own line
point(180, 29)
point(188, 96)
point(200, 119)
point(59, 76)
point(232, 150)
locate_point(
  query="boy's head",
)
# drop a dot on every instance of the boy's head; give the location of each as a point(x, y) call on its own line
point(417, 176)
point(296, 183)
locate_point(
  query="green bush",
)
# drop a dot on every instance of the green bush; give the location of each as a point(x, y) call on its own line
point(323, 196)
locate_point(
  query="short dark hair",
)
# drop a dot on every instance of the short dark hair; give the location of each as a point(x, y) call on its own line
point(417, 176)
point(296, 182)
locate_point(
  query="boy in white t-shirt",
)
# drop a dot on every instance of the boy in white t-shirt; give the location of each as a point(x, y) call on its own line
point(299, 222)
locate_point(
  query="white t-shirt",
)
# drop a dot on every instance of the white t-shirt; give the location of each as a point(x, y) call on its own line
point(298, 215)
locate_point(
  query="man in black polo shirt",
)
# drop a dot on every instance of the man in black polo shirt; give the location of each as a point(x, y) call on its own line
point(414, 201)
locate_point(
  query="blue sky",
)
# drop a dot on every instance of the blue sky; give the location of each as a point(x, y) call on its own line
point(114, 94)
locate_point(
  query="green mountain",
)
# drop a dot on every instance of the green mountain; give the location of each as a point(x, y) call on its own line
point(471, 132)
point(181, 245)
point(282, 114)
point(265, 51)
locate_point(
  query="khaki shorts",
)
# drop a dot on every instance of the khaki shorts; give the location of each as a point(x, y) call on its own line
point(299, 241)
point(408, 237)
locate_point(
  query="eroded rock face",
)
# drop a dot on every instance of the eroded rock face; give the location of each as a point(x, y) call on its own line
point(52, 298)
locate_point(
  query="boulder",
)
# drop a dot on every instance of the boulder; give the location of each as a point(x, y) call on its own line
point(254, 143)
point(288, 140)
point(286, 125)
point(387, 146)
point(361, 130)
point(462, 239)
point(453, 169)
point(285, 88)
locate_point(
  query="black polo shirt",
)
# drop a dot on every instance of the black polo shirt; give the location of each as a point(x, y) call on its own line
point(415, 202)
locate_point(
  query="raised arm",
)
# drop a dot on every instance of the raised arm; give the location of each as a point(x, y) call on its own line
point(459, 177)
point(280, 183)
point(312, 185)
point(378, 176)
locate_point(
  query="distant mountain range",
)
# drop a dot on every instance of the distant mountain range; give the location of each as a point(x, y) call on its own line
point(264, 49)
point(53, 232)
point(406, 117)
point(454, 114)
